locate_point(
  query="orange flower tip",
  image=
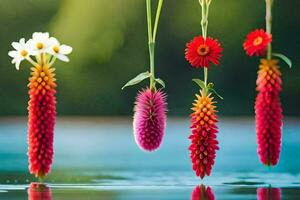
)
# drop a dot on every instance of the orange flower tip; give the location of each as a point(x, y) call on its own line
point(201, 52)
point(256, 42)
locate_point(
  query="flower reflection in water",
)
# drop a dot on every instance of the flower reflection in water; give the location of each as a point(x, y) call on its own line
point(201, 192)
point(268, 193)
point(38, 191)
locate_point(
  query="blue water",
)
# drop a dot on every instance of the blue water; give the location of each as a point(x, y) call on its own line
point(97, 158)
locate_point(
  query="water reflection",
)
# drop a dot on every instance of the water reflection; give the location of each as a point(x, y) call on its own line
point(37, 191)
point(268, 193)
point(201, 192)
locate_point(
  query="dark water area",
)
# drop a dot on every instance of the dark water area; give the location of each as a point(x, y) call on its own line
point(97, 158)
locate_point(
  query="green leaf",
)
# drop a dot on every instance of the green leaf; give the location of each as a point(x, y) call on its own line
point(200, 83)
point(161, 82)
point(284, 58)
point(139, 78)
point(215, 92)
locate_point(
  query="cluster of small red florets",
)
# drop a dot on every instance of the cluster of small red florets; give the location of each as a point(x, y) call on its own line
point(203, 137)
point(268, 112)
point(41, 120)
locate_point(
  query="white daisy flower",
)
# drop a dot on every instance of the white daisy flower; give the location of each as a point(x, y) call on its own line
point(22, 51)
point(40, 42)
point(59, 50)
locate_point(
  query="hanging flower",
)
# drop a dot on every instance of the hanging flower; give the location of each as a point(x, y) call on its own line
point(203, 137)
point(202, 193)
point(268, 194)
point(22, 51)
point(37, 191)
point(256, 42)
point(42, 103)
point(202, 52)
point(268, 112)
point(149, 121)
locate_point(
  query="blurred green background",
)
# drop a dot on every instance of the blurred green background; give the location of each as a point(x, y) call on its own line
point(109, 38)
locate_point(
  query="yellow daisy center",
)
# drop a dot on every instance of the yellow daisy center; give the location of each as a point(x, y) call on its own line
point(258, 41)
point(24, 53)
point(203, 50)
point(39, 45)
point(56, 49)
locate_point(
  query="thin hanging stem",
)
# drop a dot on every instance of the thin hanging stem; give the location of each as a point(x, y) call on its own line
point(205, 75)
point(42, 59)
point(152, 38)
point(204, 24)
point(204, 20)
point(157, 19)
point(151, 55)
point(149, 20)
point(151, 44)
point(51, 61)
point(32, 61)
point(269, 4)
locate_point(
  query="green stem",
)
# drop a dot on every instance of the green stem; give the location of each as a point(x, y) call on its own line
point(205, 75)
point(204, 24)
point(51, 61)
point(158, 11)
point(269, 4)
point(152, 38)
point(149, 21)
point(151, 55)
point(32, 61)
point(204, 20)
point(150, 43)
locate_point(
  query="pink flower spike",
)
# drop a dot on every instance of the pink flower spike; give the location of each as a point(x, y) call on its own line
point(149, 121)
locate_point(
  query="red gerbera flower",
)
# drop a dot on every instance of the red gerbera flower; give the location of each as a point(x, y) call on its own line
point(201, 52)
point(256, 42)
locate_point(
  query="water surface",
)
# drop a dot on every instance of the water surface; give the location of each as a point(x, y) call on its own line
point(97, 158)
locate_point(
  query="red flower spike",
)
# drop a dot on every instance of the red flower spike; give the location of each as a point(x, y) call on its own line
point(268, 194)
point(203, 137)
point(42, 111)
point(268, 112)
point(202, 193)
point(202, 52)
point(256, 42)
point(38, 191)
